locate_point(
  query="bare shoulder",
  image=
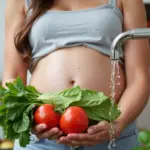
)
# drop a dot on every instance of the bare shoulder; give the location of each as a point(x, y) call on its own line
point(133, 3)
point(15, 3)
point(14, 9)
point(134, 13)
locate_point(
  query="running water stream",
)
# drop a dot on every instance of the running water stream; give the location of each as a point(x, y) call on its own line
point(115, 78)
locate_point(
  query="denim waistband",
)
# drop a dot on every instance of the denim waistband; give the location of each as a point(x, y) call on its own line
point(129, 130)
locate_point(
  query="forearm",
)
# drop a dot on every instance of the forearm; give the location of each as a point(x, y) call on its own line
point(133, 102)
point(11, 78)
point(5, 81)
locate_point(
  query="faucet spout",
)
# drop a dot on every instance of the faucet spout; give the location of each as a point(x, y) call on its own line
point(139, 33)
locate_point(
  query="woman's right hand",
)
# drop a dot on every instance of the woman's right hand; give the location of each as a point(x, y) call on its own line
point(41, 132)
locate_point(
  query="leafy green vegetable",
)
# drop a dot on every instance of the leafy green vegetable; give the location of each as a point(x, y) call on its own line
point(97, 106)
point(15, 112)
point(140, 148)
point(144, 139)
point(10, 133)
point(19, 103)
point(24, 138)
point(148, 145)
point(21, 125)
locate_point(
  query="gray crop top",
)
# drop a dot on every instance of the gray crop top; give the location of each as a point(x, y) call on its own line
point(95, 28)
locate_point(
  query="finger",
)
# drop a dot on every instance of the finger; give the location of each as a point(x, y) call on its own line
point(39, 128)
point(49, 133)
point(60, 134)
point(81, 136)
point(104, 135)
point(79, 140)
point(64, 140)
point(80, 143)
point(57, 135)
point(88, 137)
point(86, 143)
point(99, 127)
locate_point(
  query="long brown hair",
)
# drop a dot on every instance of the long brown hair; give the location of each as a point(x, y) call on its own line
point(38, 7)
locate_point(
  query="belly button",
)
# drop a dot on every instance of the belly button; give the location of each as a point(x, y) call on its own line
point(72, 82)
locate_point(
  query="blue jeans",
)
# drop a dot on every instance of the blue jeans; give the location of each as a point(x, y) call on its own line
point(126, 141)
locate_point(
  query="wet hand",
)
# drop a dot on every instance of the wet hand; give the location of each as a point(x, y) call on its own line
point(41, 132)
point(95, 134)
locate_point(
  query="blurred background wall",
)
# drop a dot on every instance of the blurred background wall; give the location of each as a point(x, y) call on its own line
point(2, 7)
point(143, 120)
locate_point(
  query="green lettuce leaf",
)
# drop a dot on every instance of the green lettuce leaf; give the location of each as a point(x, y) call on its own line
point(10, 133)
point(15, 112)
point(24, 138)
point(22, 124)
point(20, 101)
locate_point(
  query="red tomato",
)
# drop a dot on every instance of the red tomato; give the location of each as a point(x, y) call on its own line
point(45, 114)
point(74, 120)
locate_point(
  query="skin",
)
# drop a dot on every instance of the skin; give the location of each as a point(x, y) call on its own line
point(86, 68)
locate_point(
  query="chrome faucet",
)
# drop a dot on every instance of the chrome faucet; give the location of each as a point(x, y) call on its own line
point(139, 33)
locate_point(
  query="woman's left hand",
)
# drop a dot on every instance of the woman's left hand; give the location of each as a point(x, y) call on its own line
point(95, 134)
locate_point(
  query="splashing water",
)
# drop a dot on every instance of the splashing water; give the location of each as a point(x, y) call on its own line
point(115, 74)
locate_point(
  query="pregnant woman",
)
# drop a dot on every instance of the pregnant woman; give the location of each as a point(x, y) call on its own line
point(66, 43)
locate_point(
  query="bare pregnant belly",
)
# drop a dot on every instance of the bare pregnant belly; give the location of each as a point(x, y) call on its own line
point(76, 66)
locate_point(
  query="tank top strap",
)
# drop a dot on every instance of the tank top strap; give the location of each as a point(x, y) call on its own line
point(113, 2)
point(28, 3)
